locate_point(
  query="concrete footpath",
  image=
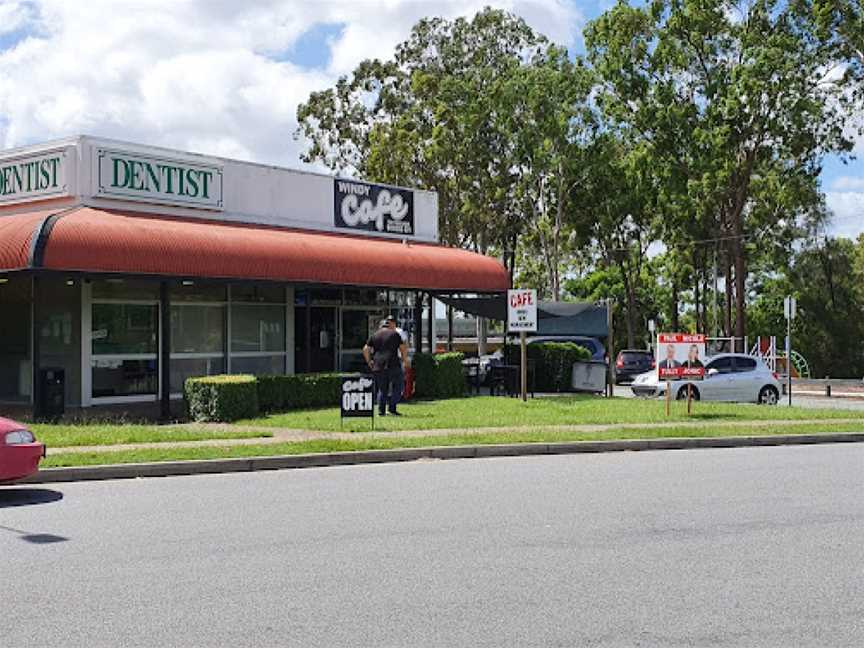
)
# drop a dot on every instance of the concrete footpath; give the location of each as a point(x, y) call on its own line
point(171, 468)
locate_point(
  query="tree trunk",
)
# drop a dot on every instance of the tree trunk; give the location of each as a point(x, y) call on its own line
point(696, 303)
point(727, 322)
point(740, 288)
point(674, 312)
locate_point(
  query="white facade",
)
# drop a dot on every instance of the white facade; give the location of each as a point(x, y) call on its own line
point(111, 174)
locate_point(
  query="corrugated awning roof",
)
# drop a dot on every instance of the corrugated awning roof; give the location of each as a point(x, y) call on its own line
point(85, 239)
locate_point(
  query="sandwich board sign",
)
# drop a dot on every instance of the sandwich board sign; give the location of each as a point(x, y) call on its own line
point(357, 398)
point(521, 311)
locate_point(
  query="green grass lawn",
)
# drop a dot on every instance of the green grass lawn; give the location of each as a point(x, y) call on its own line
point(527, 435)
point(64, 436)
point(487, 411)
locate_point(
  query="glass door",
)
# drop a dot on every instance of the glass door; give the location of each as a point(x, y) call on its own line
point(357, 325)
point(322, 338)
point(125, 347)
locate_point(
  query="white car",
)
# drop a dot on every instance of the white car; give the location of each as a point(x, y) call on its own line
point(734, 377)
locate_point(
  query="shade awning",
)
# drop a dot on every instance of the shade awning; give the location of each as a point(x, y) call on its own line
point(554, 318)
point(87, 239)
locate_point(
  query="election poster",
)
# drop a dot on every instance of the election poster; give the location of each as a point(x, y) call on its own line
point(680, 356)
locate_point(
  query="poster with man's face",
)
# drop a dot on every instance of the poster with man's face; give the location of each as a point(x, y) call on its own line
point(680, 356)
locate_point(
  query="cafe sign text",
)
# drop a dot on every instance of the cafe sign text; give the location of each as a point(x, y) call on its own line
point(132, 176)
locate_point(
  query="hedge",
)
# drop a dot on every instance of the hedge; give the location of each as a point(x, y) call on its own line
point(221, 398)
point(280, 393)
point(439, 375)
point(554, 364)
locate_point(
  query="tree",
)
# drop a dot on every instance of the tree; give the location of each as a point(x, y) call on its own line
point(429, 118)
point(723, 94)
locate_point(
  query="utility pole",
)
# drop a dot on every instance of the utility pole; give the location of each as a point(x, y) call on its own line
point(789, 307)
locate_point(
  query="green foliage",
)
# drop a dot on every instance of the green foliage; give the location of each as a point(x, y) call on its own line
point(438, 375)
point(221, 398)
point(282, 393)
point(554, 364)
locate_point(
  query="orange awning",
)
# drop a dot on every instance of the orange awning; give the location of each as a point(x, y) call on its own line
point(85, 239)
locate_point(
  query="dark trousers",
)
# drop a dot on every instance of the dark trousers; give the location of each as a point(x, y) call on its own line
point(386, 384)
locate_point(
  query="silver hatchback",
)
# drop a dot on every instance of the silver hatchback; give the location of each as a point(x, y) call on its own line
point(731, 377)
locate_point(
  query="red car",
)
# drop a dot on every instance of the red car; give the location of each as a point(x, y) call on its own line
point(20, 453)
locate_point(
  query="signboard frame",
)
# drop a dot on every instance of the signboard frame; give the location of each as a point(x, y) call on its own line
point(357, 385)
point(522, 310)
point(369, 207)
point(105, 189)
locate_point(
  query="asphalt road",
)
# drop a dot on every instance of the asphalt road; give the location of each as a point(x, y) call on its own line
point(740, 547)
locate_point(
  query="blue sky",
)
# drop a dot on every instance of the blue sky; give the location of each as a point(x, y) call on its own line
point(225, 77)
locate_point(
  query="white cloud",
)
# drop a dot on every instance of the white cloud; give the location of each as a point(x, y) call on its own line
point(13, 16)
point(848, 210)
point(848, 183)
point(204, 75)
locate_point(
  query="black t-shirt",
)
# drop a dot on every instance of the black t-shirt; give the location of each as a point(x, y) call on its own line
point(385, 343)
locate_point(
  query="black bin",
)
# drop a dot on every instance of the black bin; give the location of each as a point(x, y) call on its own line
point(52, 393)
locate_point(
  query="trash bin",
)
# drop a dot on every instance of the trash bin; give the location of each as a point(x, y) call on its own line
point(52, 393)
point(589, 376)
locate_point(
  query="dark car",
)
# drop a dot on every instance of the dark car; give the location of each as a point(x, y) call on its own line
point(632, 362)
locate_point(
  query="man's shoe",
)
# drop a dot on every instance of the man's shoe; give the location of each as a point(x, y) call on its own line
point(392, 413)
point(382, 413)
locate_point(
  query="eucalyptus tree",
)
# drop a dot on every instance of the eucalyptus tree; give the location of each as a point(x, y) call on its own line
point(722, 93)
point(430, 118)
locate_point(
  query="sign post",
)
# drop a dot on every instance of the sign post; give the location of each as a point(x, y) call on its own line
point(357, 398)
point(790, 306)
point(522, 318)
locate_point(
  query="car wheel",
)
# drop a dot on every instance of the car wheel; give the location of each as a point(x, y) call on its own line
point(682, 393)
point(768, 395)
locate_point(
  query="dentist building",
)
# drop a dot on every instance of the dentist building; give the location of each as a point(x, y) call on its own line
point(125, 269)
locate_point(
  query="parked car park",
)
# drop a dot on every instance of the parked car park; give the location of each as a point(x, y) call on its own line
point(20, 452)
point(631, 363)
point(734, 377)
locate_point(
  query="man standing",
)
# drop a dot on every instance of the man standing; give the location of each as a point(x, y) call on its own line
point(382, 354)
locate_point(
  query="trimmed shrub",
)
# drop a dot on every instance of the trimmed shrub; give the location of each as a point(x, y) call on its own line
point(281, 393)
point(424, 375)
point(439, 375)
point(221, 398)
point(553, 364)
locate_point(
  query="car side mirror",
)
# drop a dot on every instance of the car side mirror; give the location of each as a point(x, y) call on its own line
point(713, 372)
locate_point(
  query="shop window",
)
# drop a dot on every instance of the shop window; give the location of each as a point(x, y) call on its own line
point(197, 329)
point(258, 293)
point(120, 329)
point(16, 363)
point(257, 328)
point(326, 296)
point(127, 290)
point(259, 366)
point(364, 297)
point(197, 292)
point(124, 377)
point(183, 368)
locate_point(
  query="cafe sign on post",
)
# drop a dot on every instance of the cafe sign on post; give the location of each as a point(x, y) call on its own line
point(522, 318)
point(521, 311)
